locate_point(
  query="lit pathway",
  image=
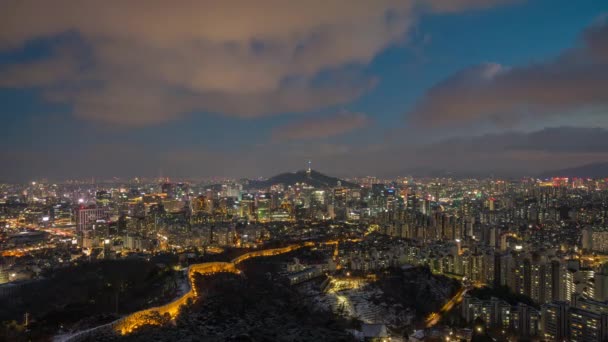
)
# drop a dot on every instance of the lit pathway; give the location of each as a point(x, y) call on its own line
point(143, 317)
point(434, 317)
point(137, 319)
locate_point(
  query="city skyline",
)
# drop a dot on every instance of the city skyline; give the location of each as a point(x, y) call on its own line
point(505, 88)
point(284, 170)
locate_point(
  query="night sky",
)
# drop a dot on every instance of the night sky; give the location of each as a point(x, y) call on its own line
point(251, 88)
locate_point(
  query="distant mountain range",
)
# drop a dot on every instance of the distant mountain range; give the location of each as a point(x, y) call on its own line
point(316, 179)
point(322, 181)
point(594, 170)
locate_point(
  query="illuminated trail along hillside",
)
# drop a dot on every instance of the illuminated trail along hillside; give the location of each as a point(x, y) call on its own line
point(146, 317)
point(435, 317)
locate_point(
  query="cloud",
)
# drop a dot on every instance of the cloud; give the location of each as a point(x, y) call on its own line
point(563, 139)
point(458, 5)
point(508, 154)
point(577, 79)
point(319, 128)
point(551, 140)
point(61, 67)
point(154, 61)
point(107, 160)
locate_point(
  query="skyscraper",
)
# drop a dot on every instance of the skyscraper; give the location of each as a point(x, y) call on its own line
point(554, 322)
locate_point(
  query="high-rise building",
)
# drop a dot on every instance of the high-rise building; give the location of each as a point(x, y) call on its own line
point(568, 286)
point(263, 207)
point(87, 217)
point(587, 326)
point(526, 320)
point(601, 283)
point(554, 321)
point(588, 319)
point(103, 198)
point(247, 206)
point(3, 273)
point(595, 239)
point(168, 189)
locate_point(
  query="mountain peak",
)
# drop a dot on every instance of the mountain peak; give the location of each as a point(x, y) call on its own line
point(310, 177)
